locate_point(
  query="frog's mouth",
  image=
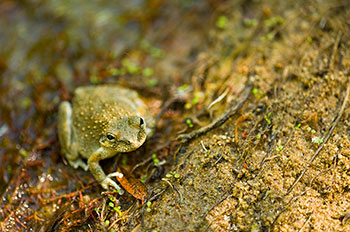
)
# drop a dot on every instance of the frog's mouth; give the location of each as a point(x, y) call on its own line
point(126, 135)
point(128, 146)
point(123, 144)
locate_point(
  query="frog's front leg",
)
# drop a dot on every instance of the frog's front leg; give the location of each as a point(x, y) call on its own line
point(98, 173)
point(66, 136)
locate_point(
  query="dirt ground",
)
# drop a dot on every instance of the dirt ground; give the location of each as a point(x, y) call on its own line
point(251, 100)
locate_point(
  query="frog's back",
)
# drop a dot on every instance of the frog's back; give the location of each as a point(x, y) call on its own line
point(94, 107)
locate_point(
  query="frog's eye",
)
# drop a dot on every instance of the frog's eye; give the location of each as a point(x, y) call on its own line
point(141, 122)
point(110, 137)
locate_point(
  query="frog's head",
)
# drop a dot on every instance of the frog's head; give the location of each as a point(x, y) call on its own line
point(125, 135)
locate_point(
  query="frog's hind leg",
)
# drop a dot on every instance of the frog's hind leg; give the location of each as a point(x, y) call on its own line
point(65, 126)
point(66, 136)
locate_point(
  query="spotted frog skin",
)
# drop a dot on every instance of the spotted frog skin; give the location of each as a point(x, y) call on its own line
point(101, 122)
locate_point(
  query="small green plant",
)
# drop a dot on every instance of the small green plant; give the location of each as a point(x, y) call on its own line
point(197, 97)
point(130, 67)
point(147, 72)
point(267, 37)
point(274, 21)
point(173, 174)
point(267, 118)
point(157, 52)
point(268, 192)
point(250, 22)
point(23, 152)
point(94, 79)
point(257, 93)
point(155, 159)
point(143, 178)
point(145, 45)
point(117, 209)
point(168, 175)
point(317, 140)
point(152, 82)
point(114, 71)
point(148, 204)
point(189, 123)
point(279, 148)
point(309, 39)
point(221, 22)
point(9, 169)
point(153, 51)
point(183, 88)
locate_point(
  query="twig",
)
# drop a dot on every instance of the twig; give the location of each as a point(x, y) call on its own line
point(334, 51)
point(226, 195)
point(325, 140)
point(155, 150)
point(166, 106)
point(232, 110)
point(295, 198)
point(311, 116)
point(266, 158)
point(141, 164)
point(307, 220)
point(218, 160)
point(174, 189)
point(218, 99)
point(345, 217)
point(204, 148)
point(153, 198)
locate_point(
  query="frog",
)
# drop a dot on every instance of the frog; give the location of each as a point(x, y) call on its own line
point(101, 122)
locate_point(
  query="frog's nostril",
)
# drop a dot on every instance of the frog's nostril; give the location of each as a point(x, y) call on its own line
point(141, 122)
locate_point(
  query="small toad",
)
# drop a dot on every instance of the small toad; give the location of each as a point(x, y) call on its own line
point(101, 122)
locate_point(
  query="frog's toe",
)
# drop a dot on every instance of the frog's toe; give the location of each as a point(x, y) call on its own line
point(115, 174)
point(79, 163)
point(109, 182)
